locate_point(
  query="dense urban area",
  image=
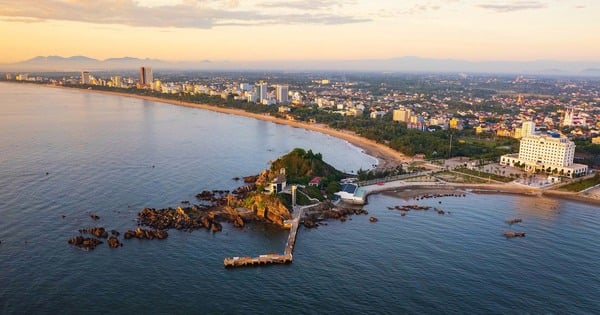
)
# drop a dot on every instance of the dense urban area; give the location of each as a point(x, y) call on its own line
point(432, 116)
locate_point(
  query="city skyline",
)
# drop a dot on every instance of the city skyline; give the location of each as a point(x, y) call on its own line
point(301, 30)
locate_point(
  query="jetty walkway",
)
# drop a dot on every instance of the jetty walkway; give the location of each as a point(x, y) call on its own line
point(268, 259)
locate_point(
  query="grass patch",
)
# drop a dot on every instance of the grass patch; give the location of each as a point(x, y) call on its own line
point(582, 184)
point(452, 177)
point(495, 177)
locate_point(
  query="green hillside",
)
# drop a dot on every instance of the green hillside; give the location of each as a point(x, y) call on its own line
point(301, 166)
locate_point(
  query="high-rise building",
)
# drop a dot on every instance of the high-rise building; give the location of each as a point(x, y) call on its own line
point(261, 91)
point(116, 81)
point(528, 129)
point(146, 76)
point(401, 115)
point(86, 77)
point(282, 94)
point(548, 153)
point(245, 87)
point(568, 119)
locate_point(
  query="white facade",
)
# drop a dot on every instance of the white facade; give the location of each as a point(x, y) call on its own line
point(246, 87)
point(547, 150)
point(568, 119)
point(85, 77)
point(528, 129)
point(261, 91)
point(282, 94)
point(545, 153)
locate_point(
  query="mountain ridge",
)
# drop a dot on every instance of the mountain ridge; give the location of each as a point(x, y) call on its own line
point(396, 64)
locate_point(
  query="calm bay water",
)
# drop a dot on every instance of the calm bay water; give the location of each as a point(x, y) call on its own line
point(99, 151)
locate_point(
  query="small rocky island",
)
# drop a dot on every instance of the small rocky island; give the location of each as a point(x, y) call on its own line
point(266, 197)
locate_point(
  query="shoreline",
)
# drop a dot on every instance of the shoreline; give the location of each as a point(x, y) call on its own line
point(412, 190)
point(386, 157)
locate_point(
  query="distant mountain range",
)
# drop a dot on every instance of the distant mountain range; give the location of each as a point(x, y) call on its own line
point(401, 64)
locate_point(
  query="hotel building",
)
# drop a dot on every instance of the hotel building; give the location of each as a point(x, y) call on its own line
point(548, 153)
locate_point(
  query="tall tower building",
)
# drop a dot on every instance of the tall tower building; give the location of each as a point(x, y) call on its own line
point(282, 94)
point(261, 91)
point(568, 119)
point(146, 76)
point(528, 129)
point(85, 77)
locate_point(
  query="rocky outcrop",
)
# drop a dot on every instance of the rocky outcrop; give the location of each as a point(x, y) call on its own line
point(217, 227)
point(98, 232)
point(141, 234)
point(95, 217)
point(250, 179)
point(309, 223)
point(268, 207)
point(113, 242)
point(238, 222)
point(86, 243)
point(162, 219)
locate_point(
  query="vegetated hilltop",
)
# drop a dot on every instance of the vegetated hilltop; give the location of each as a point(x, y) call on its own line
point(301, 166)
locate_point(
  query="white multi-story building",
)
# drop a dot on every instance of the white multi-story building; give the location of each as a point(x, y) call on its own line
point(246, 87)
point(551, 154)
point(86, 77)
point(261, 91)
point(528, 129)
point(282, 94)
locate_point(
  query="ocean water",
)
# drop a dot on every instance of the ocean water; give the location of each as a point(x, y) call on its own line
point(73, 153)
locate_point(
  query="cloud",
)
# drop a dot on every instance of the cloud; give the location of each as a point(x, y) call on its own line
point(299, 4)
point(513, 6)
point(202, 14)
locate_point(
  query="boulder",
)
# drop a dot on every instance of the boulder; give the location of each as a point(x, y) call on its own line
point(161, 234)
point(217, 227)
point(239, 222)
point(113, 242)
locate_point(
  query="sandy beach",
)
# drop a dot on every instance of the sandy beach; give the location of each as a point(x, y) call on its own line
point(386, 156)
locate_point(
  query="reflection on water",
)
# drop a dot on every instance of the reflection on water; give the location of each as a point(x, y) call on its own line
point(537, 206)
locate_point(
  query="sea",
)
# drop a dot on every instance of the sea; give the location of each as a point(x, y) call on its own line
point(66, 154)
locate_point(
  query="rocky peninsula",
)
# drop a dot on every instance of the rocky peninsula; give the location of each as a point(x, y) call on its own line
point(255, 201)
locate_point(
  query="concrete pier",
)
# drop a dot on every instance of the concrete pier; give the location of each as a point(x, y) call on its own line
point(268, 259)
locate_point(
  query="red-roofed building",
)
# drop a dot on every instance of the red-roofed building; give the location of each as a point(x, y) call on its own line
point(315, 181)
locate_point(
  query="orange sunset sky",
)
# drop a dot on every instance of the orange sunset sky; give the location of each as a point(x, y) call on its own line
point(301, 30)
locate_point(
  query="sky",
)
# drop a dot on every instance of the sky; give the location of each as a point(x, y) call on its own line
point(253, 30)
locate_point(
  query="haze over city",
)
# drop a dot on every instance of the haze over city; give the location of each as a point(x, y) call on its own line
point(261, 30)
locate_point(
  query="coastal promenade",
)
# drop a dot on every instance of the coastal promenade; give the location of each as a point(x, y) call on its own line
point(268, 259)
